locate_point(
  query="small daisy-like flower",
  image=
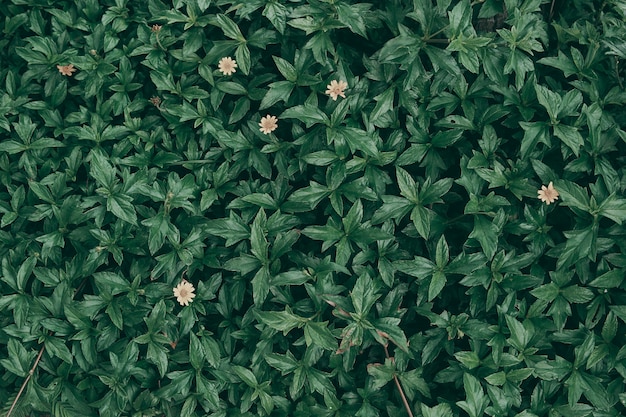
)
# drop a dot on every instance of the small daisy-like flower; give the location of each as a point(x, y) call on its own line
point(156, 101)
point(227, 65)
point(548, 194)
point(184, 292)
point(268, 124)
point(156, 28)
point(336, 89)
point(66, 70)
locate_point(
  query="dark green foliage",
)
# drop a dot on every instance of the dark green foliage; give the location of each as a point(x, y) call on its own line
point(389, 238)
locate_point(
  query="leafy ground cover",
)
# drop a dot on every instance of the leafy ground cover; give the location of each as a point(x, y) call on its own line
point(312, 208)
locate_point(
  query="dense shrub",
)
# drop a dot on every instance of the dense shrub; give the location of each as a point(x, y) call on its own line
point(356, 206)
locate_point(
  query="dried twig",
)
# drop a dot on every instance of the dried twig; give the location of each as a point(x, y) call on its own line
point(400, 390)
point(30, 373)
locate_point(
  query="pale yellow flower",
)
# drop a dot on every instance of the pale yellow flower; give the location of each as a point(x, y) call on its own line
point(227, 65)
point(66, 70)
point(268, 124)
point(336, 89)
point(548, 194)
point(184, 292)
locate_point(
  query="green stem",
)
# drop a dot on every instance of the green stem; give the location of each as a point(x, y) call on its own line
point(428, 38)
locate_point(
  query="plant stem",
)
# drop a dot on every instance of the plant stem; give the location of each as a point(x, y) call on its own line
point(159, 42)
point(551, 10)
point(30, 373)
point(432, 35)
point(437, 41)
point(400, 390)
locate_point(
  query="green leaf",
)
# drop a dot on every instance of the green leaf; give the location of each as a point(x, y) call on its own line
point(534, 132)
point(310, 115)
point(475, 401)
point(418, 267)
point(576, 294)
point(261, 285)
point(352, 220)
point(442, 60)
point(470, 360)
point(111, 282)
point(487, 235)
point(610, 279)
point(121, 206)
point(550, 100)
point(465, 264)
point(422, 219)
point(393, 208)
point(562, 62)
point(381, 374)
point(245, 375)
point(570, 136)
point(160, 227)
point(12, 147)
point(101, 170)
point(364, 295)
point(230, 28)
point(432, 193)
point(546, 292)
point(384, 103)
point(242, 106)
point(286, 364)
point(358, 140)
point(56, 347)
point(579, 244)
point(283, 321)
point(573, 194)
point(196, 352)
point(277, 14)
point(389, 329)
point(258, 242)
point(278, 91)
point(242, 56)
point(24, 272)
point(520, 336)
point(440, 410)
point(231, 87)
point(232, 229)
point(286, 69)
point(19, 361)
point(308, 198)
point(318, 333)
point(498, 379)
point(437, 283)
point(320, 158)
point(613, 208)
point(408, 188)
point(351, 16)
point(460, 17)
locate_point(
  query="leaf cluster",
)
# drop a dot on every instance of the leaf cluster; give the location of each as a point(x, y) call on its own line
point(379, 254)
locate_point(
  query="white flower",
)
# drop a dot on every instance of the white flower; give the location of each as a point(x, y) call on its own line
point(548, 194)
point(184, 292)
point(268, 124)
point(66, 70)
point(336, 89)
point(227, 65)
